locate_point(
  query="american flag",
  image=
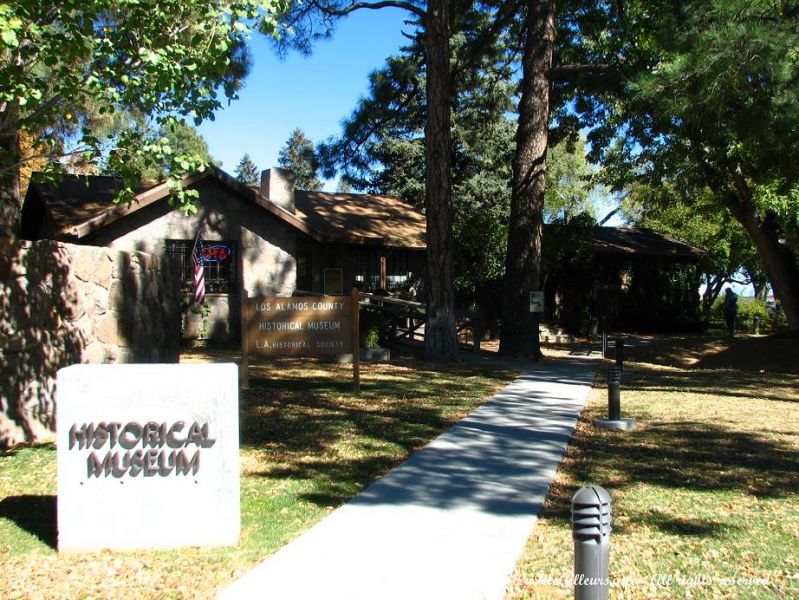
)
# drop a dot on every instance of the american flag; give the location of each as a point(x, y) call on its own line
point(199, 272)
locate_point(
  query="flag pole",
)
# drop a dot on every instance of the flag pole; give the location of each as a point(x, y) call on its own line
point(199, 269)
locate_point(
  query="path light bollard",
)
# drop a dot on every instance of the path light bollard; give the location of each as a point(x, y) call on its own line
point(591, 515)
point(620, 353)
point(614, 420)
point(757, 325)
point(614, 393)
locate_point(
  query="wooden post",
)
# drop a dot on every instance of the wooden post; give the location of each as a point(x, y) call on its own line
point(356, 340)
point(383, 272)
point(244, 363)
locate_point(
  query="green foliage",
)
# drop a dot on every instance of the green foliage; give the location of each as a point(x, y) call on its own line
point(711, 101)
point(176, 144)
point(748, 309)
point(782, 200)
point(299, 157)
point(165, 60)
point(316, 19)
point(343, 186)
point(204, 311)
point(693, 215)
point(381, 148)
point(247, 171)
point(569, 180)
point(375, 329)
point(371, 339)
point(777, 318)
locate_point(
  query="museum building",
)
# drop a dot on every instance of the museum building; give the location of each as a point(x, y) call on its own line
point(269, 241)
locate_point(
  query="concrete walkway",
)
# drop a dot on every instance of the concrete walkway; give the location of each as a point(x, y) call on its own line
point(451, 521)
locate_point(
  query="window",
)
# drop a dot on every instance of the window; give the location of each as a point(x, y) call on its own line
point(334, 282)
point(398, 271)
point(219, 264)
point(367, 270)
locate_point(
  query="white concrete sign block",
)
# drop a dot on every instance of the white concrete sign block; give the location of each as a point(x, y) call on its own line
point(148, 456)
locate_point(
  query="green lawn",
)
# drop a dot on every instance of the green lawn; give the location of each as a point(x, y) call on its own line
point(307, 445)
point(706, 488)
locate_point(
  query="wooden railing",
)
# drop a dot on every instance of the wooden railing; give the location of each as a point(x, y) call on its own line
point(408, 319)
point(406, 316)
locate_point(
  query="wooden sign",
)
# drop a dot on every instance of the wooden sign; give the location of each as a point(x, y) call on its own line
point(300, 326)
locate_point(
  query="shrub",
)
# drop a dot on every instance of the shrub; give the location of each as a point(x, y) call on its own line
point(375, 329)
point(371, 339)
point(777, 319)
point(748, 309)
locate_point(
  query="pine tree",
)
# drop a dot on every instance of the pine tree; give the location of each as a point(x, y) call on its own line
point(523, 256)
point(315, 19)
point(344, 186)
point(381, 147)
point(185, 144)
point(299, 157)
point(247, 171)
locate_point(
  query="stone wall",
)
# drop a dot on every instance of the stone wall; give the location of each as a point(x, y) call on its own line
point(267, 249)
point(62, 304)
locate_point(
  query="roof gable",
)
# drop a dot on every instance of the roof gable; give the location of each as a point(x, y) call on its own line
point(80, 205)
point(642, 242)
point(75, 199)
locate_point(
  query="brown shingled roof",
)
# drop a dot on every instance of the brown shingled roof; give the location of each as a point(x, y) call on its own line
point(641, 242)
point(76, 199)
point(79, 205)
point(394, 221)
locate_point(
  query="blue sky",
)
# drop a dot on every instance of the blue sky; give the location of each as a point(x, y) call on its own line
point(313, 93)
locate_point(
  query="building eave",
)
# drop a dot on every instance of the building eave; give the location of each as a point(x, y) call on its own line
point(161, 192)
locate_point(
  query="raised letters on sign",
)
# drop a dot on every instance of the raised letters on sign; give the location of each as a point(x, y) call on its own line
point(149, 449)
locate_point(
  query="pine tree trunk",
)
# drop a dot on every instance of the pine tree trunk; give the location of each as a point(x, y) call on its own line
point(10, 209)
point(523, 259)
point(440, 337)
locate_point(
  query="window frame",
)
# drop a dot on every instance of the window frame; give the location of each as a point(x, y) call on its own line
point(221, 277)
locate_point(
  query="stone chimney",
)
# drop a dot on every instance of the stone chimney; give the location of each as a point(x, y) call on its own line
point(276, 185)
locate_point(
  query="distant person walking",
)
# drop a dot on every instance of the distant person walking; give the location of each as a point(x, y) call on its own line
point(730, 310)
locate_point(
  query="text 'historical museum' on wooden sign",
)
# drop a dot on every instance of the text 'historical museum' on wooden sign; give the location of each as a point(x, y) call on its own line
point(300, 326)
